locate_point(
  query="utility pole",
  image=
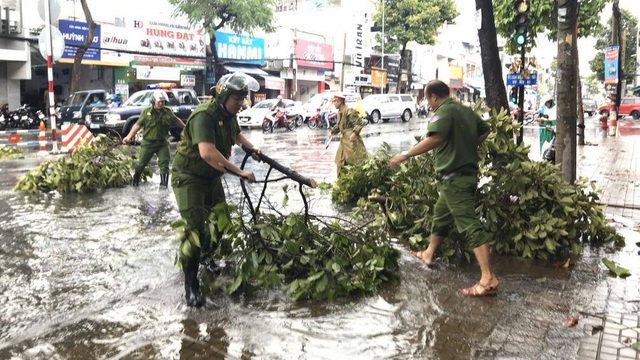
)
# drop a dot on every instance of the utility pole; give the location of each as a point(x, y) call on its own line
point(344, 54)
point(567, 92)
point(615, 40)
point(382, 72)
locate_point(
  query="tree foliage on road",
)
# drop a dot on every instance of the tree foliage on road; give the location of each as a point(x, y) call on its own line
point(240, 16)
point(543, 19)
point(412, 20)
point(628, 25)
point(526, 206)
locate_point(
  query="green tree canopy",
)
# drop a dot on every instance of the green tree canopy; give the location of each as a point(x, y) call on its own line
point(629, 25)
point(412, 20)
point(241, 16)
point(543, 19)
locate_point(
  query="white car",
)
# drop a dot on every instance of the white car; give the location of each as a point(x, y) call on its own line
point(388, 106)
point(254, 116)
point(317, 101)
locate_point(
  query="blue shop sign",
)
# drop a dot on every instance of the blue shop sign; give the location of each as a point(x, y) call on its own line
point(74, 33)
point(519, 80)
point(240, 48)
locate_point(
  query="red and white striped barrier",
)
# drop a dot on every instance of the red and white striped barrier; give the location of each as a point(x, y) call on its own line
point(13, 137)
point(42, 139)
point(74, 135)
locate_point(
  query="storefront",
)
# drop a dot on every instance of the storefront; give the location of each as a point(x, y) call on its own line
point(307, 77)
point(152, 51)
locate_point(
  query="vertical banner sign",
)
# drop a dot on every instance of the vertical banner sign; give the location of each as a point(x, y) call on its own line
point(358, 54)
point(611, 54)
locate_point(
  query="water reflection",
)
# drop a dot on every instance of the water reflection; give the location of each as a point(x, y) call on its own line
point(92, 276)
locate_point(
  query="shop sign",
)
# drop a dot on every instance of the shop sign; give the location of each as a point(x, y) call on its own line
point(358, 55)
point(157, 73)
point(358, 79)
point(314, 55)
point(455, 77)
point(240, 48)
point(74, 33)
point(188, 80)
point(303, 74)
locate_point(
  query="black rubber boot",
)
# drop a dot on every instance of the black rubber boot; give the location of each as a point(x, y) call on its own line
point(191, 283)
point(206, 257)
point(164, 180)
point(136, 179)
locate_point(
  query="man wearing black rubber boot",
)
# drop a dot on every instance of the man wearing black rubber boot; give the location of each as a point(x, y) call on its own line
point(200, 161)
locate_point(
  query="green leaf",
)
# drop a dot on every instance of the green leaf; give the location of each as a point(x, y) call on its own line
point(636, 346)
point(615, 269)
point(236, 284)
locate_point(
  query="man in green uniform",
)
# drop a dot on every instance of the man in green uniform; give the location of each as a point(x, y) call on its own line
point(454, 133)
point(200, 161)
point(155, 122)
point(349, 124)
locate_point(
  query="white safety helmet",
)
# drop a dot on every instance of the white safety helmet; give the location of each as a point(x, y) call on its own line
point(159, 96)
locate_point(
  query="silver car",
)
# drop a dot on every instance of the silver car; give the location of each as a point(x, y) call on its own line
point(388, 106)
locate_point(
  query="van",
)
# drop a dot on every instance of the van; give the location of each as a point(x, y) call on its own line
point(388, 106)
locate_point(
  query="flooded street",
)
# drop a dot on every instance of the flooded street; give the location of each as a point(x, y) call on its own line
point(93, 277)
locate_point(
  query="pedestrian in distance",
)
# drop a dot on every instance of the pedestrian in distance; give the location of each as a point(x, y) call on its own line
point(199, 163)
point(155, 122)
point(604, 125)
point(548, 117)
point(454, 132)
point(349, 125)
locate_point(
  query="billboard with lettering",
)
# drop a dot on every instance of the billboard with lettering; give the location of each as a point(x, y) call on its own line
point(153, 42)
point(74, 33)
point(611, 54)
point(240, 48)
point(314, 55)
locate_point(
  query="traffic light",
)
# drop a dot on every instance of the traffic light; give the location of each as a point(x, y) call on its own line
point(513, 95)
point(521, 20)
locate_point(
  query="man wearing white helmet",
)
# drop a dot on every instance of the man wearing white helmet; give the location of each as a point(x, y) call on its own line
point(155, 122)
point(348, 124)
point(199, 163)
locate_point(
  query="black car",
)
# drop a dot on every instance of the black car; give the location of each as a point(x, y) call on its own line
point(80, 103)
point(121, 119)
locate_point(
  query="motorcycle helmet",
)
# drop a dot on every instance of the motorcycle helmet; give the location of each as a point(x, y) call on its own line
point(236, 83)
point(159, 96)
point(279, 97)
point(114, 97)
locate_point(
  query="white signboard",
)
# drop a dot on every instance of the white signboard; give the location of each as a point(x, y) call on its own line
point(157, 73)
point(188, 80)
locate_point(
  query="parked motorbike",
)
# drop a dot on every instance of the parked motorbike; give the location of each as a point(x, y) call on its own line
point(28, 116)
point(280, 119)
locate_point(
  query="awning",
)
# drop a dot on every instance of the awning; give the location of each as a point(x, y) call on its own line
point(246, 69)
point(635, 89)
point(272, 82)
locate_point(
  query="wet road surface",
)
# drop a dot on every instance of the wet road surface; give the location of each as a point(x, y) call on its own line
point(93, 277)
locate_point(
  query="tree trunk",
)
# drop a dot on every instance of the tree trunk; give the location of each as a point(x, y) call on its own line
point(496, 93)
point(567, 94)
point(580, 128)
point(401, 66)
point(217, 65)
point(77, 61)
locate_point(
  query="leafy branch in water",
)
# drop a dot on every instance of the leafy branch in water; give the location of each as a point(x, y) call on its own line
point(99, 165)
point(526, 206)
point(11, 152)
point(323, 259)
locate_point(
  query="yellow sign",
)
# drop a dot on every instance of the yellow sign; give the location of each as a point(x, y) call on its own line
point(378, 78)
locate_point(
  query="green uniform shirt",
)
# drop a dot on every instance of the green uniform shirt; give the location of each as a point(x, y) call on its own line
point(155, 123)
point(208, 123)
point(460, 129)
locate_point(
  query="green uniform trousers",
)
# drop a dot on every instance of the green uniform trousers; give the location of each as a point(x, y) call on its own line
point(456, 205)
point(148, 148)
point(195, 198)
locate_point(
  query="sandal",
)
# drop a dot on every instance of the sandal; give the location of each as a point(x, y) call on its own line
point(484, 290)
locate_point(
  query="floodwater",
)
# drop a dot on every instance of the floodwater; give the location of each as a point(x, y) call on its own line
point(93, 277)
